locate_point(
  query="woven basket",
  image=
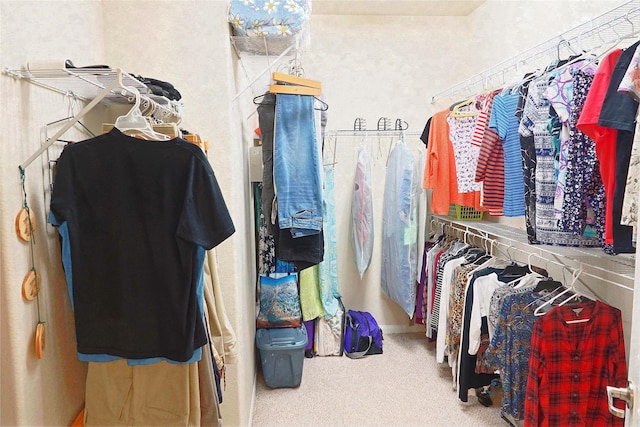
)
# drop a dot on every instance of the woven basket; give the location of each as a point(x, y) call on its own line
point(464, 213)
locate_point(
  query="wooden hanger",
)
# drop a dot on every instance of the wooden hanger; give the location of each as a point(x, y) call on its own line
point(295, 80)
point(294, 85)
point(294, 90)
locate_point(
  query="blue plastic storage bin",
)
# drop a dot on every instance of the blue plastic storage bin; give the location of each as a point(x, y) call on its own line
point(282, 355)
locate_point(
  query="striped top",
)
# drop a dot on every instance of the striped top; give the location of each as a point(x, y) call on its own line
point(490, 169)
point(504, 120)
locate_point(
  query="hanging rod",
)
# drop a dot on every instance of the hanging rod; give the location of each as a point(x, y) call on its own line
point(86, 83)
point(600, 33)
point(391, 132)
point(502, 232)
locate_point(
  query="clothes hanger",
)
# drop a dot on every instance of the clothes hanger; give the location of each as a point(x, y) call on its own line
point(294, 90)
point(297, 80)
point(84, 128)
point(455, 111)
point(134, 121)
point(323, 105)
point(542, 309)
point(515, 282)
point(258, 100)
point(294, 83)
point(545, 296)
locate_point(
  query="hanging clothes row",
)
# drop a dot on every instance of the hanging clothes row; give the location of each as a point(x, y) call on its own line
point(555, 147)
point(494, 319)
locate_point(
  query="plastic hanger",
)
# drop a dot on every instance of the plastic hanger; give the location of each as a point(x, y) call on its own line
point(516, 283)
point(135, 121)
point(258, 101)
point(455, 111)
point(541, 310)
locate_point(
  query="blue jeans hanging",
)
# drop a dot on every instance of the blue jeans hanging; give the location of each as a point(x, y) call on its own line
point(296, 166)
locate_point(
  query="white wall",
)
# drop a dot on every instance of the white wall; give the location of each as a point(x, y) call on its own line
point(187, 44)
point(49, 391)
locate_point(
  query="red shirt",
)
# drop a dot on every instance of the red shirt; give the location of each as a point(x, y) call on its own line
point(571, 365)
point(604, 137)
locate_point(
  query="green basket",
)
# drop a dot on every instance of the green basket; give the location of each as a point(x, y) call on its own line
point(464, 213)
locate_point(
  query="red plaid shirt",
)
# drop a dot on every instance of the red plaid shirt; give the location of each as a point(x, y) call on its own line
point(571, 365)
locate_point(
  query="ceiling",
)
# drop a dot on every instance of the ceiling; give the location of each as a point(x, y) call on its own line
point(395, 7)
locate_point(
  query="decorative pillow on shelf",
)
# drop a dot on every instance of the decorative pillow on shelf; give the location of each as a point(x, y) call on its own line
point(279, 302)
point(260, 18)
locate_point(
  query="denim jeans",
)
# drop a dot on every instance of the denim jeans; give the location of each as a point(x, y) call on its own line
point(296, 166)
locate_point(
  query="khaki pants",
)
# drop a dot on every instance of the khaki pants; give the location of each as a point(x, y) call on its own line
point(161, 394)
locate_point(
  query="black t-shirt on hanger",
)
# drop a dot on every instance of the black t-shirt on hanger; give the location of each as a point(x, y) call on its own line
point(139, 213)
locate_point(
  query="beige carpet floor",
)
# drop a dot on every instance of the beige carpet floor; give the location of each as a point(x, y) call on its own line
point(402, 387)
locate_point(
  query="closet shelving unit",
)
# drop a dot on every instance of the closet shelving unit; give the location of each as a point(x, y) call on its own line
point(87, 83)
point(616, 270)
point(93, 85)
point(597, 36)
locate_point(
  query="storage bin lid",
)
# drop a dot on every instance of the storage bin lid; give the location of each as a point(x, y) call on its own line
point(281, 338)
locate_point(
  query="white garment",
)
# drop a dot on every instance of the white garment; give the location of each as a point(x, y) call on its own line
point(483, 288)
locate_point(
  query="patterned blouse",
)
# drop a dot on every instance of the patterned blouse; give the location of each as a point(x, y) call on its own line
point(509, 349)
point(583, 203)
point(534, 122)
point(461, 130)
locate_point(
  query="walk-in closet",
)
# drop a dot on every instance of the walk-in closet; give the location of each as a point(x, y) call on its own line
point(200, 200)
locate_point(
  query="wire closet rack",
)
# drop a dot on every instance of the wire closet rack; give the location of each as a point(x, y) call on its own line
point(598, 35)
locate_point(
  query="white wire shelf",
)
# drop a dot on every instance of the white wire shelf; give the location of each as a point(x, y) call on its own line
point(263, 45)
point(618, 270)
point(596, 36)
point(86, 83)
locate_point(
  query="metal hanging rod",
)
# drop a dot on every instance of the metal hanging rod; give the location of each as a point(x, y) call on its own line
point(595, 36)
point(620, 267)
point(391, 132)
point(86, 84)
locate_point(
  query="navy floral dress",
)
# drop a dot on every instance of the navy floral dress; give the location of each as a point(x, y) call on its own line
point(584, 197)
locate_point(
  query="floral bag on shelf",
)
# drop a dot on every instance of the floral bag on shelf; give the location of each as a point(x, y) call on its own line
point(259, 18)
